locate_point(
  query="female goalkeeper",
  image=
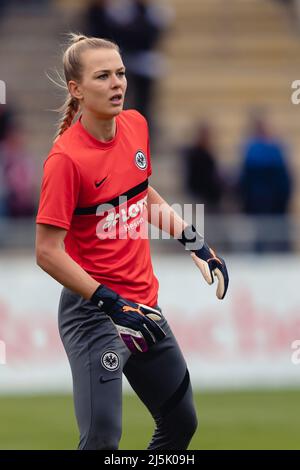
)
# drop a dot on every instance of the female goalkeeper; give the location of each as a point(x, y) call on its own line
point(92, 238)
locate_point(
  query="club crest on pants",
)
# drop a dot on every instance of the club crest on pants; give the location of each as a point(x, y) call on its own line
point(110, 360)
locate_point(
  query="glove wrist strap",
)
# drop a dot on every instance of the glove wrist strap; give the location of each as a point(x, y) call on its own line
point(104, 298)
point(191, 239)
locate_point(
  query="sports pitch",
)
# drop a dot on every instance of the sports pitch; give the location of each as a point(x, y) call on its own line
point(227, 420)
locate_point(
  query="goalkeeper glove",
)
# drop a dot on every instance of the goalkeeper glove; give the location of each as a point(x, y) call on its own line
point(206, 260)
point(136, 323)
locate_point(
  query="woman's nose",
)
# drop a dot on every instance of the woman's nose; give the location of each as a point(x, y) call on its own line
point(116, 81)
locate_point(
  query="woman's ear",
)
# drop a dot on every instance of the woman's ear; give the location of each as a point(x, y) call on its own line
point(75, 89)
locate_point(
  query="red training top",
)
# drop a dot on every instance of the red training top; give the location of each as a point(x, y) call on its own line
point(82, 184)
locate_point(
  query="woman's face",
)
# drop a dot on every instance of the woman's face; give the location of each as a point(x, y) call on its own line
point(103, 83)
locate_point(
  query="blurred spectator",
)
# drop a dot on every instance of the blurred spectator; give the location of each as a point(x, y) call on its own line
point(136, 26)
point(203, 180)
point(3, 199)
point(293, 9)
point(3, 5)
point(6, 124)
point(6, 121)
point(265, 180)
point(18, 175)
point(98, 21)
point(142, 23)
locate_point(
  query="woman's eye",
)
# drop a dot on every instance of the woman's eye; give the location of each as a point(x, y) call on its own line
point(121, 74)
point(103, 76)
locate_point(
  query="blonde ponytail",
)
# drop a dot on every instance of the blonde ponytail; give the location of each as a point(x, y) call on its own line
point(76, 37)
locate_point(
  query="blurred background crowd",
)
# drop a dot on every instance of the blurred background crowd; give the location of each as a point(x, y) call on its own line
point(214, 82)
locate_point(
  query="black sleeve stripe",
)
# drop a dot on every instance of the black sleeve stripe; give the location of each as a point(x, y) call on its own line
point(130, 193)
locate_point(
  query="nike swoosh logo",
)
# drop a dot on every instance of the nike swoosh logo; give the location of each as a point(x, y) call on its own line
point(98, 183)
point(107, 379)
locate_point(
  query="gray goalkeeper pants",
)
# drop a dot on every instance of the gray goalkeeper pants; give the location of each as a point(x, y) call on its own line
point(98, 357)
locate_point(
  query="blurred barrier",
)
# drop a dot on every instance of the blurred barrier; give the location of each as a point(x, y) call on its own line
point(243, 233)
point(244, 341)
point(229, 232)
point(17, 233)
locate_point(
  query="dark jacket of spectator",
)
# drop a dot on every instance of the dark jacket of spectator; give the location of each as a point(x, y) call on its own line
point(202, 175)
point(265, 180)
